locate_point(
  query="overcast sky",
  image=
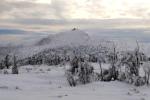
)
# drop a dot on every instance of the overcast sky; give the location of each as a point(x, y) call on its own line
point(56, 15)
point(74, 9)
point(51, 14)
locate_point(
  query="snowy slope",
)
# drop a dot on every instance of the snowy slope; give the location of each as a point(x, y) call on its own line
point(49, 83)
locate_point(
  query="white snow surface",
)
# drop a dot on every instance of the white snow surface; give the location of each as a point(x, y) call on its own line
point(49, 83)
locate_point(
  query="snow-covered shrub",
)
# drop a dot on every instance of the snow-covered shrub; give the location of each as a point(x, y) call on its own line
point(131, 60)
point(138, 81)
point(146, 68)
point(129, 80)
point(97, 76)
point(92, 58)
point(81, 72)
point(6, 71)
point(70, 78)
point(107, 78)
point(15, 70)
point(113, 59)
point(106, 75)
point(74, 64)
point(121, 76)
point(85, 73)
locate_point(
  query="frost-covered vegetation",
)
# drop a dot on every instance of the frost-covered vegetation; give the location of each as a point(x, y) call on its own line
point(124, 65)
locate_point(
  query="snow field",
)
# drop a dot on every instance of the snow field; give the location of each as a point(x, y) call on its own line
point(49, 83)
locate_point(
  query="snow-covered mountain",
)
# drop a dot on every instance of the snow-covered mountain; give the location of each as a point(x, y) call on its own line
point(72, 37)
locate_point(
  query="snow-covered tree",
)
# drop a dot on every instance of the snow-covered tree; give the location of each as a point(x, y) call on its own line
point(132, 60)
point(2, 66)
point(101, 59)
point(85, 72)
point(7, 61)
point(15, 67)
point(146, 68)
point(80, 71)
point(113, 60)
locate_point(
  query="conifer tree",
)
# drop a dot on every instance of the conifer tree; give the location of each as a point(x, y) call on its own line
point(15, 67)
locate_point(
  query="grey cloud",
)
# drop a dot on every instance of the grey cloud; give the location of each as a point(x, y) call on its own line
point(68, 9)
point(59, 7)
point(6, 6)
point(24, 9)
point(66, 13)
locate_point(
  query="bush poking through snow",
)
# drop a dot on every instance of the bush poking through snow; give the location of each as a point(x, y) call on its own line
point(122, 76)
point(85, 73)
point(106, 75)
point(139, 81)
point(70, 78)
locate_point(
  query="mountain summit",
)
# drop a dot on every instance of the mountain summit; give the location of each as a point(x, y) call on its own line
point(72, 37)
